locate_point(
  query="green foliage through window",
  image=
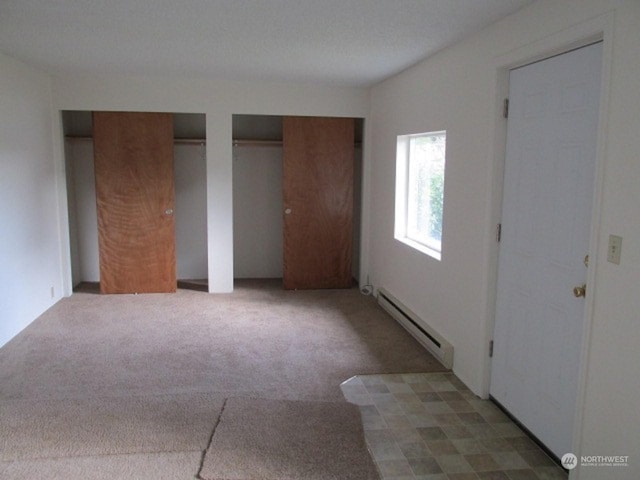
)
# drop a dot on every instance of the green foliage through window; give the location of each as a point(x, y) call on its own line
point(420, 188)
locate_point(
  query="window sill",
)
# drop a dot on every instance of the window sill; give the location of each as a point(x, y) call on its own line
point(421, 248)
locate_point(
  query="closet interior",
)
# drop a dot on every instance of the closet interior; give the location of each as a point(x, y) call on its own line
point(259, 212)
point(189, 170)
point(258, 208)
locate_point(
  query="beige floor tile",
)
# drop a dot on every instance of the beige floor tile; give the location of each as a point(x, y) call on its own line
point(431, 427)
point(509, 460)
point(399, 387)
point(447, 419)
point(454, 464)
point(454, 432)
point(550, 473)
point(468, 446)
point(460, 406)
point(394, 468)
point(497, 445)
point(442, 447)
point(415, 450)
point(497, 475)
point(432, 433)
point(522, 474)
point(537, 458)
point(463, 476)
point(482, 462)
point(424, 419)
point(424, 466)
point(388, 451)
point(429, 397)
point(374, 389)
point(397, 422)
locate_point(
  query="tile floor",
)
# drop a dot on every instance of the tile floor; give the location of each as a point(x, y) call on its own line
point(429, 426)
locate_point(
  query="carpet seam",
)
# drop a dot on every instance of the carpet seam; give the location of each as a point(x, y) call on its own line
point(370, 459)
point(206, 449)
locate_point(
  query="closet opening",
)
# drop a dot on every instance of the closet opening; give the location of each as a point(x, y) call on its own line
point(259, 212)
point(190, 212)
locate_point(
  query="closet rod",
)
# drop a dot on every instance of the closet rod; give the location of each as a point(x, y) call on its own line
point(178, 141)
point(190, 141)
point(238, 142)
point(203, 141)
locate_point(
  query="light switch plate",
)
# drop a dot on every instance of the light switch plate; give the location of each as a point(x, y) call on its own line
point(614, 250)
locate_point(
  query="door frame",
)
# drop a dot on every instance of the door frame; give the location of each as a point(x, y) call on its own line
point(580, 35)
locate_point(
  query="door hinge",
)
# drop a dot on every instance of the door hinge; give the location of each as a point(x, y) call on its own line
point(505, 108)
point(491, 349)
point(499, 232)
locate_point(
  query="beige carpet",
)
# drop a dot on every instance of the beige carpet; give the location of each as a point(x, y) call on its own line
point(98, 379)
point(258, 341)
point(156, 466)
point(285, 440)
point(107, 426)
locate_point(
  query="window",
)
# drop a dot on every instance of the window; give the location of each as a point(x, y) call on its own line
point(420, 162)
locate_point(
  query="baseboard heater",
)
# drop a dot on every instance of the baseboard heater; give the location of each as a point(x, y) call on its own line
point(417, 327)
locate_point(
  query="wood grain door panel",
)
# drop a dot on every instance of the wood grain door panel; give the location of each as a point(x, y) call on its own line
point(318, 158)
point(133, 155)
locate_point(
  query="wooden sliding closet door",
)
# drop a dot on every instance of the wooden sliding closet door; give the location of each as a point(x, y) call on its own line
point(133, 154)
point(318, 202)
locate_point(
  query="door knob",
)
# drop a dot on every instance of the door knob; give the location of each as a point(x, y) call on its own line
point(168, 211)
point(580, 291)
point(287, 211)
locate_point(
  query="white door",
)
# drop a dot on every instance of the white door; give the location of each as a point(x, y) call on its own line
point(546, 217)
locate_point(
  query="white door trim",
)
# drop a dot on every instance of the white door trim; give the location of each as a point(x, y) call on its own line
point(598, 28)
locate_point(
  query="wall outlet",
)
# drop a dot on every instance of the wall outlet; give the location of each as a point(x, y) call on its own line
point(614, 250)
point(53, 292)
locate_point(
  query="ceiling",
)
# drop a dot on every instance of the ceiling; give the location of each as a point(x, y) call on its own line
point(336, 42)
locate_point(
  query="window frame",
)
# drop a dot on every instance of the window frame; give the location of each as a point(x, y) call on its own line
point(401, 221)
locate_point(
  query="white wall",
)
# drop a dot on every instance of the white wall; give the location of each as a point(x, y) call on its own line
point(460, 90)
point(612, 396)
point(73, 220)
point(30, 257)
point(219, 100)
point(357, 213)
point(190, 173)
point(257, 212)
point(82, 208)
